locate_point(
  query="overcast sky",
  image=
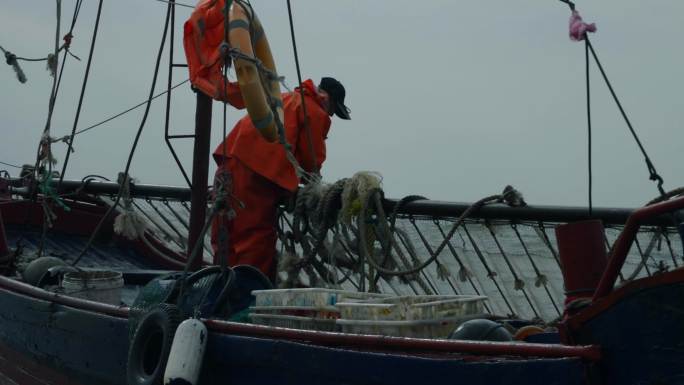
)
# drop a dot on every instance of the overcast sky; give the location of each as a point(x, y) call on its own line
point(451, 99)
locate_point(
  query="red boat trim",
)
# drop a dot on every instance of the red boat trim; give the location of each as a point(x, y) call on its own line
point(624, 242)
point(589, 353)
point(80, 220)
point(156, 251)
point(38, 293)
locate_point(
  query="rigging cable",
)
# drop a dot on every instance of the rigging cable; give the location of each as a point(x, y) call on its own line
point(651, 168)
point(135, 143)
point(70, 141)
point(56, 80)
point(177, 3)
point(301, 91)
point(43, 153)
point(653, 174)
point(586, 60)
point(64, 138)
point(10, 165)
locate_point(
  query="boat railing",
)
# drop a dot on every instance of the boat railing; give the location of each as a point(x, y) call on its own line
point(507, 253)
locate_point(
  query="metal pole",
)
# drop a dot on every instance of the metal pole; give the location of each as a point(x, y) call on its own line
point(4, 249)
point(200, 171)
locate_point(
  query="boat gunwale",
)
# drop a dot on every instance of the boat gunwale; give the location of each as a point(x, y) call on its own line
point(330, 339)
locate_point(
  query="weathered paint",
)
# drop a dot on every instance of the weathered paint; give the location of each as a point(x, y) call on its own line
point(257, 361)
point(89, 348)
point(641, 331)
point(85, 347)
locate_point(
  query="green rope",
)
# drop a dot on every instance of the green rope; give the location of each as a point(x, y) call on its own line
point(47, 190)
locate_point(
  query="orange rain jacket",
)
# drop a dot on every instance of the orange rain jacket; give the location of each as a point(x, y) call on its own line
point(268, 159)
point(262, 176)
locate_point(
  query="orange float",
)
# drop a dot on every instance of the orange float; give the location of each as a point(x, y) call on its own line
point(527, 331)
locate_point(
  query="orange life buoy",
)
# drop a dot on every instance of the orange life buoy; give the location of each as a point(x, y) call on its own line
point(204, 34)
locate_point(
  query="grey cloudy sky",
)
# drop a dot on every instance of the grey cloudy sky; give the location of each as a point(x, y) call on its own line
point(451, 99)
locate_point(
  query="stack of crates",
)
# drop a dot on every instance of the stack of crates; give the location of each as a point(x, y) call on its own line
point(309, 308)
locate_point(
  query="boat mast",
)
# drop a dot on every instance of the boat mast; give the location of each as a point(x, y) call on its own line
point(200, 175)
point(200, 158)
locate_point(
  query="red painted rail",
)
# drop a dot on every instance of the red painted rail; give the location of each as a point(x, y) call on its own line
point(409, 345)
point(624, 242)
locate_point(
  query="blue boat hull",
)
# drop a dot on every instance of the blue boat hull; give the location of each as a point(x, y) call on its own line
point(74, 346)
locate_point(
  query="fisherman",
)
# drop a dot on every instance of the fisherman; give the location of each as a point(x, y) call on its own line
point(258, 175)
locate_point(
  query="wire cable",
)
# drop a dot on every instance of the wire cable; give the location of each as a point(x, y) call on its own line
point(10, 165)
point(123, 112)
point(589, 162)
point(135, 144)
point(309, 138)
point(83, 89)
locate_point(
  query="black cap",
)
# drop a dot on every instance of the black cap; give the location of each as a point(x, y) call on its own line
point(336, 91)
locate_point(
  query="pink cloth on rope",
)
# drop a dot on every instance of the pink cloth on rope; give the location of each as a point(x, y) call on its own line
point(578, 28)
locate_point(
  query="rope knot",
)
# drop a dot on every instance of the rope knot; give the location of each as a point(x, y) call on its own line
point(225, 49)
point(51, 64)
point(11, 60)
point(512, 197)
point(578, 28)
point(67, 40)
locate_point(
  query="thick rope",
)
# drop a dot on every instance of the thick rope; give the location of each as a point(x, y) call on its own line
point(510, 196)
point(128, 223)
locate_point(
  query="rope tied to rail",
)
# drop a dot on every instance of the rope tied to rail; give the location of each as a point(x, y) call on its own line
point(376, 249)
point(128, 223)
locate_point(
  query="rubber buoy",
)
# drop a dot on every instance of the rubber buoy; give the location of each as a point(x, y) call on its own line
point(149, 350)
point(38, 268)
point(481, 330)
point(187, 351)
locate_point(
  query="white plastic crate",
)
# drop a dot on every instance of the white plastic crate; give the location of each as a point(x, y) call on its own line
point(328, 312)
point(447, 308)
point(371, 311)
point(294, 322)
point(425, 307)
point(309, 297)
point(439, 328)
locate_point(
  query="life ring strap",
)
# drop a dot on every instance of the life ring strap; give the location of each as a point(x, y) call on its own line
point(262, 124)
point(239, 23)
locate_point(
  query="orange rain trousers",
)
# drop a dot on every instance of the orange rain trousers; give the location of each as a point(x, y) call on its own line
point(252, 235)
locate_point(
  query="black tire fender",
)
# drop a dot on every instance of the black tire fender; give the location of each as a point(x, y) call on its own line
point(151, 344)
